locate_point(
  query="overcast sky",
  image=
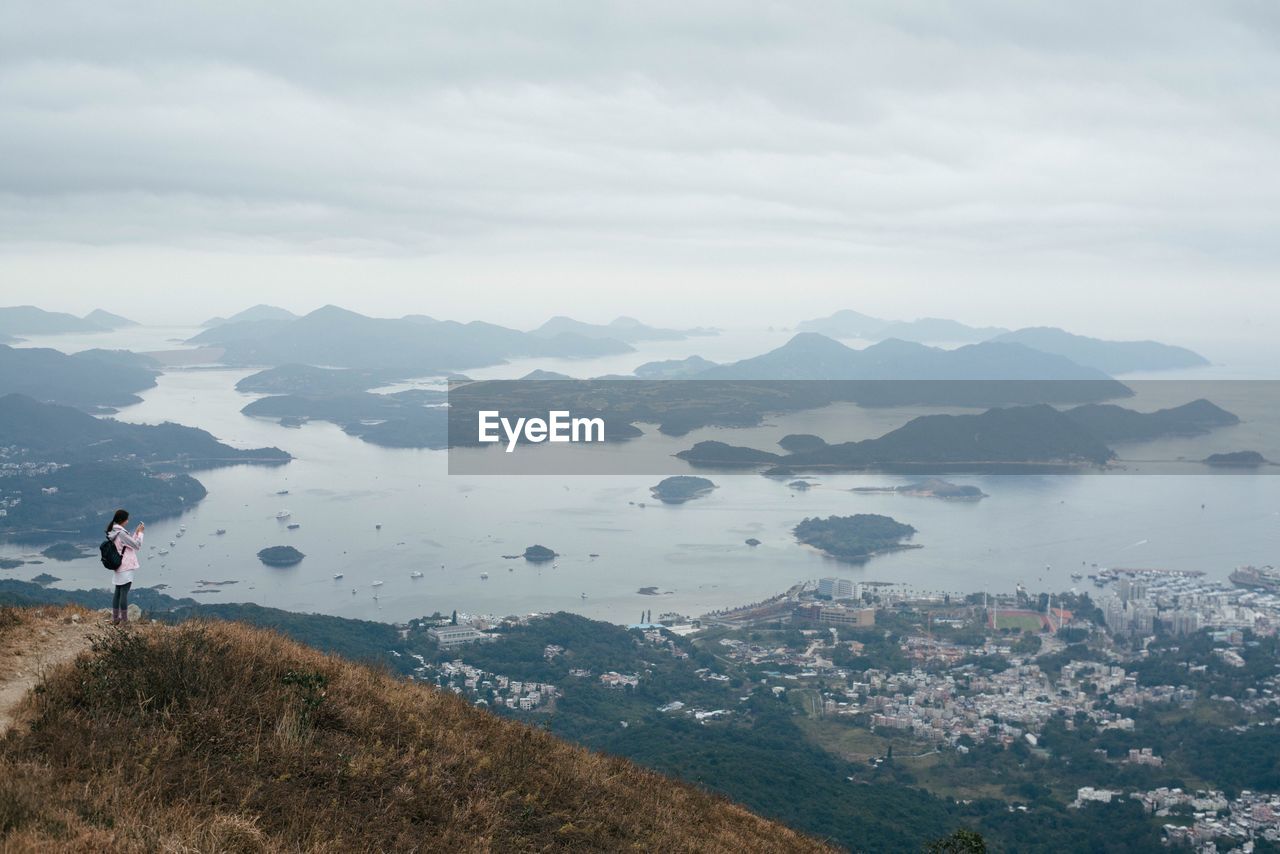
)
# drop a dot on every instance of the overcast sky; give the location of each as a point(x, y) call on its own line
point(1111, 167)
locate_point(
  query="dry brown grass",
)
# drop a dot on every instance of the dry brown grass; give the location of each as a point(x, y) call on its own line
point(220, 737)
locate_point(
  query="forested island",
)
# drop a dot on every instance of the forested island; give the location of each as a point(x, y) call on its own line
point(1237, 459)
point(64, 552)
point(280, 556)
point(930, 488)
point(1111, 423)
point(1037, 436)
point(855, 538)
point(309, 380)
point(415, 418)
point(681, 488)
point(539, 554)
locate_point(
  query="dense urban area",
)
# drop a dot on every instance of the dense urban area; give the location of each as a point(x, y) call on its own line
point(1089, 700)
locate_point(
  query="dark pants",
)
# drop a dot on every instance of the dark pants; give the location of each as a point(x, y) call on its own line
point(120, 602)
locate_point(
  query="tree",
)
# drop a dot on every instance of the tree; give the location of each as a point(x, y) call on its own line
point(962, 841)
point(453, 621)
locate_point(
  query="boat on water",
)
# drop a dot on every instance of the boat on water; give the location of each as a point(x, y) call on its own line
point(163, 552)
point(1264, 577)
point(337, 575)
point(415, 574)
point(376, 584)
point(584, 596)
point(220, 532)
point(1076, 576)
point(283, 492)
point(377, 526)
point(484, 576)
point(293, 527)
point(283, 514)
point(172, 543)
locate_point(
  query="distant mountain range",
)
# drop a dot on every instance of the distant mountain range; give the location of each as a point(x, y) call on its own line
point(414, 345)
point(625, 329)
point(92, 379)
point(19, 320)
point(853, 324)
point(672, 369)
point(1113, 357)
point(257, 312)
point(1037, 435)
point(810, 356)
point(107, 320)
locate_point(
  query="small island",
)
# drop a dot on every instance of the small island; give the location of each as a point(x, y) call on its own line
point(800, 485)
point(681, 488)
point(752, 541)
point(64, 552)
point(855, 538)
point(1237, 459)
point(539, 554)
point(280, 556)
point(931, 488)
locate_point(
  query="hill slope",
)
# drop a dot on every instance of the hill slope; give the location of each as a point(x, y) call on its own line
point(93, 379)
point(250, 742)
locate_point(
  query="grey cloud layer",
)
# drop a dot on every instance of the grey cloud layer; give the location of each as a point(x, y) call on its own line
point(1126, 129)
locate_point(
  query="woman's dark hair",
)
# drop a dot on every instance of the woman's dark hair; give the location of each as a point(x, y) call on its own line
point(120, 518)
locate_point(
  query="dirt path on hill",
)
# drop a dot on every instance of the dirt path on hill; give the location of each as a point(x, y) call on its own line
point(29, 651)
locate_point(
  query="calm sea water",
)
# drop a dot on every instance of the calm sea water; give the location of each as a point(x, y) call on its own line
point(1034, 530)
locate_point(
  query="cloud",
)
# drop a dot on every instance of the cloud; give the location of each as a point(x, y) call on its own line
point(1140, 134)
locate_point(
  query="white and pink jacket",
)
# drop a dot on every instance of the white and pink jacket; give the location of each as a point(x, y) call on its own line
point(128, 545)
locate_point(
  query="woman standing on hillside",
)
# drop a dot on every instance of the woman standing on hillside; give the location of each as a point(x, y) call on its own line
point(128, 545)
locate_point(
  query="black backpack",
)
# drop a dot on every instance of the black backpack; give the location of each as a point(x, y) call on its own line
point(111, 557)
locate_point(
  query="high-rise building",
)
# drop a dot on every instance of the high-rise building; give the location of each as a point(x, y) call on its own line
point(838, 588)
point(1131, 590)
point(1117, 617)
point(1184, 622)
point(1143, 618)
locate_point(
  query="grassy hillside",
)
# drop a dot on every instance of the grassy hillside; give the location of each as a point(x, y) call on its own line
point(221, 737)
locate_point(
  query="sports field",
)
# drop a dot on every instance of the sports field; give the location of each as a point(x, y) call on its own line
point(1027, 621)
